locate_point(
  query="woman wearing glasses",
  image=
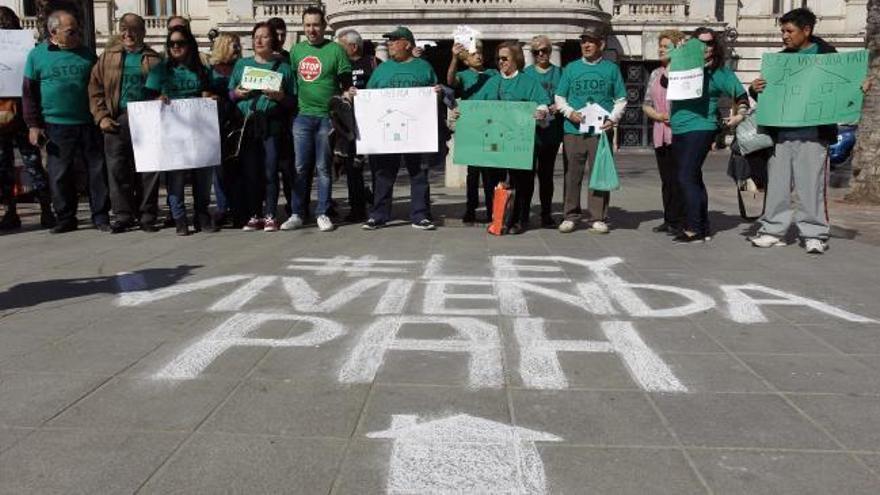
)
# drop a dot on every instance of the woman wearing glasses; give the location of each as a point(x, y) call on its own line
point(182, 75)
point(694, 126)
point(551, 136)
point(467, 83)
point(513, 85)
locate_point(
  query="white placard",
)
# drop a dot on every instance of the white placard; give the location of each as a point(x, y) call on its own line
point(259, 79)
point(685, 84)
point(397, 120)
point(181, 135)
point(15, 44)
point(592, 115)
point(467, 36)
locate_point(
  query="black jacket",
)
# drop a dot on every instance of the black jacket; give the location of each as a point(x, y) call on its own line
point(827, 133)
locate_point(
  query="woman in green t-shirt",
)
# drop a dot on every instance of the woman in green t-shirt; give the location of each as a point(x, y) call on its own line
point(182, 75)
point(266, 111)
point(694, 125)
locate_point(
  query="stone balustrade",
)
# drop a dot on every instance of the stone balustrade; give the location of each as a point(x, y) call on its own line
point(345, 5)
point(29, 23)
point(285, 9)
point(649, 10)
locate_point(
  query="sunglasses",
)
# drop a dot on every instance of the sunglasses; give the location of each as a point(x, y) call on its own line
point(503, 59)
point(177, 44)
point(541, 51)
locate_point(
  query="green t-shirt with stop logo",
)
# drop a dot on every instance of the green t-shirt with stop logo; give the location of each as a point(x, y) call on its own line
point(318, 68)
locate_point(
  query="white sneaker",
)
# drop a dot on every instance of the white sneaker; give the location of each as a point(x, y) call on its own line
point(292, 223)
point(567, 226)
point(815, 246)
point(599, 227)
point(767, 240)
point(324, 223)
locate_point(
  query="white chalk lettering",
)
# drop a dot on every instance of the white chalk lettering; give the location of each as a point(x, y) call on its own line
point(540, 367)
point(141, 297)
point(479, 339)
point(436, 297)
point(307, 300)
point(232, 333)
point(743, 308)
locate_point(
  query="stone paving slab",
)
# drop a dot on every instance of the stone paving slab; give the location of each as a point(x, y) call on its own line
point(404, 361)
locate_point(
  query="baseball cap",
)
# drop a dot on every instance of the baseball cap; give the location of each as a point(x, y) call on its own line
point(401, 32)
point(594, 31)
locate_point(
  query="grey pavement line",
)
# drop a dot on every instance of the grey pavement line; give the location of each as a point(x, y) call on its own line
point(30, 431)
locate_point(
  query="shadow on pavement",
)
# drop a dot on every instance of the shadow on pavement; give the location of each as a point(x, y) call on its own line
point(34, 293)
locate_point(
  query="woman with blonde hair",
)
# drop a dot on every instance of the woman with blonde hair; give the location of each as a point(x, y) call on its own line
point(656, 107)
point(225, 52)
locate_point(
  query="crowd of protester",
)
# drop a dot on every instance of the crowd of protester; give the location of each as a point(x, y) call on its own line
point(74, 106)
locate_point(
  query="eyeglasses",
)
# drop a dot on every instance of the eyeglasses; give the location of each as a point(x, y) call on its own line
point(503, 59)
point(541, 51)
point(177, 44)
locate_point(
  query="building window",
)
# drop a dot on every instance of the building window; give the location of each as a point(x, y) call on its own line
point(30, 8)
point(777, 6)
point(161, 8)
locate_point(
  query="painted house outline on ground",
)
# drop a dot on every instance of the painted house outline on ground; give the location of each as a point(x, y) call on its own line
point(395, 126)
point(463, 454)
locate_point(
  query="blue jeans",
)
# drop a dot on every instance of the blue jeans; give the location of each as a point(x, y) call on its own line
point(201, 191)
point(259, 163)
point(385, 168)
point(66, 144)
point(690, 150)
point(311, 148)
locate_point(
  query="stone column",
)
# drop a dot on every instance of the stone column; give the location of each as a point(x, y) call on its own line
point(556, 54)
point(381, 50)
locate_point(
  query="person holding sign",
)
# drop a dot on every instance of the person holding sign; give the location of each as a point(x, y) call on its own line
point(799, 156)
point(587, 83)
point(656, 107)
point(323, 70)
point(694, 125)
point(550, 137)
point(467, 83)
point(182, 75)
point(56, 111)
point(513, 85)
point(401, 70)
point(14, 134)
point(265, 98)
point(119, 78)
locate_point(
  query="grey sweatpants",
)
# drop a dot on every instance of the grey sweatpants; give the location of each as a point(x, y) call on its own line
point(798, 166)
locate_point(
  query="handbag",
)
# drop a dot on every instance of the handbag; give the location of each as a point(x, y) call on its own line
point(502, 209)
point(749, 135)
point(604, 176)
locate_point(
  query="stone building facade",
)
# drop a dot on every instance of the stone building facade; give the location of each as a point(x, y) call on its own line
point(750, 27)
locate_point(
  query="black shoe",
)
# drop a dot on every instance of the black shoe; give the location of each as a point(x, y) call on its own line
point(685, 238)
point(62, 227)
point(424, 224)
point(169, 221)
point(181, 227)
point(10, 221)
point(547, 222)
point(371, 224)
point(469, 218)
point(205, 222)
point(663, 227)
point(149, 227)
point(104, 227)
point(120, 227)
point(515, 229)
point(47, 218)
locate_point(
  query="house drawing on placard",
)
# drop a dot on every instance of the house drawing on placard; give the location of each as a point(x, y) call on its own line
point(496, 135)
point(825, 101)
point(395, 126)
point(463, 454)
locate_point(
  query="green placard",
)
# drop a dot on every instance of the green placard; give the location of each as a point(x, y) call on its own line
point(688, 56)
point(808, 90)
point(495, 134)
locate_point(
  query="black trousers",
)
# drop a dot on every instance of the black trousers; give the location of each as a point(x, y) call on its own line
point(523, 183)
point(67, 143)
point(132, 194)
point(546, 164)
point(491, 177)
point(673, 202)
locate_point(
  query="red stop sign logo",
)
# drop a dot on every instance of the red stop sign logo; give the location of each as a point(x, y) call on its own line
point(310, 68)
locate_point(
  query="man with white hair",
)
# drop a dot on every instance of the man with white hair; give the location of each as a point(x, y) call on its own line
point(56, 110)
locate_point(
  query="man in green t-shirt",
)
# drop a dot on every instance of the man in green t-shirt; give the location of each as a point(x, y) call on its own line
point(402, 70)
point(588, 80)
point(56, 106)
point(117, 79)
point(322, 71)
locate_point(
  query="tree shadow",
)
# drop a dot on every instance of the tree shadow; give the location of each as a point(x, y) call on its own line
point(34, 293)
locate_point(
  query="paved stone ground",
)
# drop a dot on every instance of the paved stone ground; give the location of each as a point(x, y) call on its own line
point(141, 383)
